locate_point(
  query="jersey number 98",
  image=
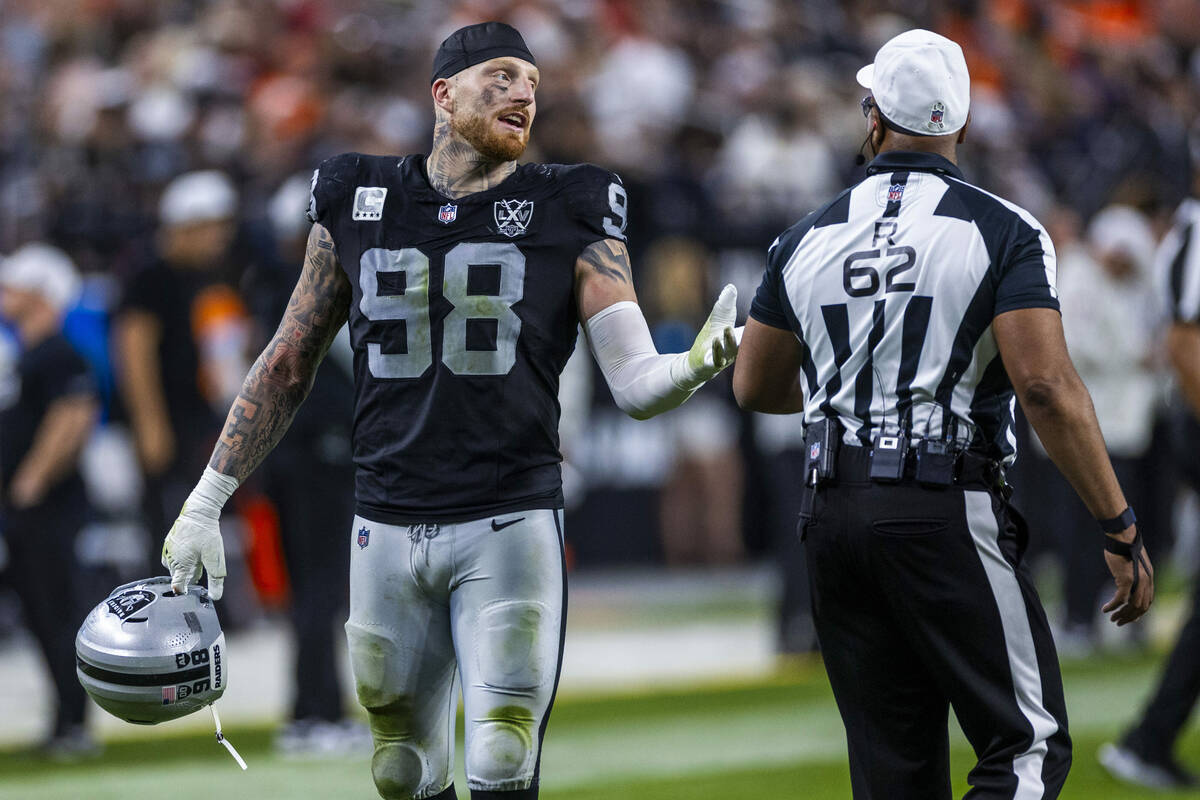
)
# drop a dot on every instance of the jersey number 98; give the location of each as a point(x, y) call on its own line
point(483, 280)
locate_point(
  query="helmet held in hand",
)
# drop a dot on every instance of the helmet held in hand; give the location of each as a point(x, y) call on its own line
point(148, 655)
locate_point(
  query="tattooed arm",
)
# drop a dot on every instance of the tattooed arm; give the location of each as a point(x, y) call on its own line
point(643, 382)
point(275, 387)
point(603, 276)
point(283, 375)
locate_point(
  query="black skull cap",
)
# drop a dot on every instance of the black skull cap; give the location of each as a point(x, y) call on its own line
point(475, 44)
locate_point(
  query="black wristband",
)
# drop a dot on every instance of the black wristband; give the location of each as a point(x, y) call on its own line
point(1131, 551)
point(1118, 523)
point(1123, 549)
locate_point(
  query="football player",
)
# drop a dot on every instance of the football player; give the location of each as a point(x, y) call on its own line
point(464, 277)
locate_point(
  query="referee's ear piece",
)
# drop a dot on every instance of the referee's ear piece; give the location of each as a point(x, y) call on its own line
point(861, 159)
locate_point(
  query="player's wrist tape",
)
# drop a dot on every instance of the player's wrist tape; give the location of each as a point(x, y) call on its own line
point(1118, 523)
point(211, 493)
point(1130, 551)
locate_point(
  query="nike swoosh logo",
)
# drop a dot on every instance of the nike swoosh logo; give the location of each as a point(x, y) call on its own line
point(499, 526)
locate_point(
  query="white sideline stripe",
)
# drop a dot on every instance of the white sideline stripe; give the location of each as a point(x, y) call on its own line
point(1018, 641)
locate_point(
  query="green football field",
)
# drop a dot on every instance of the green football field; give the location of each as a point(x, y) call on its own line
point(779, 738)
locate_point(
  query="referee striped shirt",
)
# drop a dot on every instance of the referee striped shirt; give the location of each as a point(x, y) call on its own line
point(892, 288)
point(1177, 263)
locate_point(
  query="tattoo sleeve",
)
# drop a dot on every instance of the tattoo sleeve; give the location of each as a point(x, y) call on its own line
point(609, 259)
point(283, 374)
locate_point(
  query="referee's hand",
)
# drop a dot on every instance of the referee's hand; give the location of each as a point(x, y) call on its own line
point(1127, 605)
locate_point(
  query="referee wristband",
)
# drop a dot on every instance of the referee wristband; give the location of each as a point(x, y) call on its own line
point(1119, 522)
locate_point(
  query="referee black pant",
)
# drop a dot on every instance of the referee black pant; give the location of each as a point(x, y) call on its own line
point(921, 603)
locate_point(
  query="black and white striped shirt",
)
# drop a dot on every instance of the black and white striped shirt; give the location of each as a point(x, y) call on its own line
point(892, 288)
point(1177, 263)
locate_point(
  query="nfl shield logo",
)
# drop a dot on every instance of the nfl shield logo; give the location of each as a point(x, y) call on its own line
point(447, 213)
point(512, 216)
point(936, 113)
point(895, 192)
point(814, 452)
point(364, 538)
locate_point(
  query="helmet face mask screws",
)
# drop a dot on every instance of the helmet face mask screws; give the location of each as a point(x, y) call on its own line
point(148, 655)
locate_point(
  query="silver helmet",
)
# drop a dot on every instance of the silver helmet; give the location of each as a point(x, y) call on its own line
point(148, 655)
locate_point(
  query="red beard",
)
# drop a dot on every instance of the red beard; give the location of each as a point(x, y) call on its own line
point(477, 130)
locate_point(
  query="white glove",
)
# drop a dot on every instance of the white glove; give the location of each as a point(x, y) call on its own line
point(194, 541)
point(716, 344)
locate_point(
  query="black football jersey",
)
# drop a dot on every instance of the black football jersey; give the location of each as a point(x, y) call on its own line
point(462, 319)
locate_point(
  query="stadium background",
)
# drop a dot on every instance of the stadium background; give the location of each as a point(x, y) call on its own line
point(727, 121)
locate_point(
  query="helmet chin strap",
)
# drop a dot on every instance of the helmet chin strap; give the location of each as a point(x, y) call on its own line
point(221, 737)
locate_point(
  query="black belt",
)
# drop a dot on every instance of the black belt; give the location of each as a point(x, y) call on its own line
point(853, 466)
point(970, 469)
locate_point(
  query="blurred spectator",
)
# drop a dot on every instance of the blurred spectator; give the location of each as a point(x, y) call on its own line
point(309, 477)
point(47, 410)
point(700, 516)
point(1111, 316)
point(180, 339)
point(777, 163)
point(780, 441)
point(635, 116)
point(1145, 755)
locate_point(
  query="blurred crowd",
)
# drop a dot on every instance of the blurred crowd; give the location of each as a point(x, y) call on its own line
point(164, 148)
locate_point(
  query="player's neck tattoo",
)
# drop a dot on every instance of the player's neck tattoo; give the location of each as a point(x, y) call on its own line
point(457, 169)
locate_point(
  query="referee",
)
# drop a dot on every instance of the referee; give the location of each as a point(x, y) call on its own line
point(899, 318)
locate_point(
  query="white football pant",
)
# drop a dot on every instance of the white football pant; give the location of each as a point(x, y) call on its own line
point(485, 597)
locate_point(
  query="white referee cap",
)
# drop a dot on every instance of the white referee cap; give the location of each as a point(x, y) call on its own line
point(201, 196)
point(45, 271)
point(919, 81)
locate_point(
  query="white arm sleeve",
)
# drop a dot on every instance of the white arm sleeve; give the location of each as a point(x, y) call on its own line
point(643, 382)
